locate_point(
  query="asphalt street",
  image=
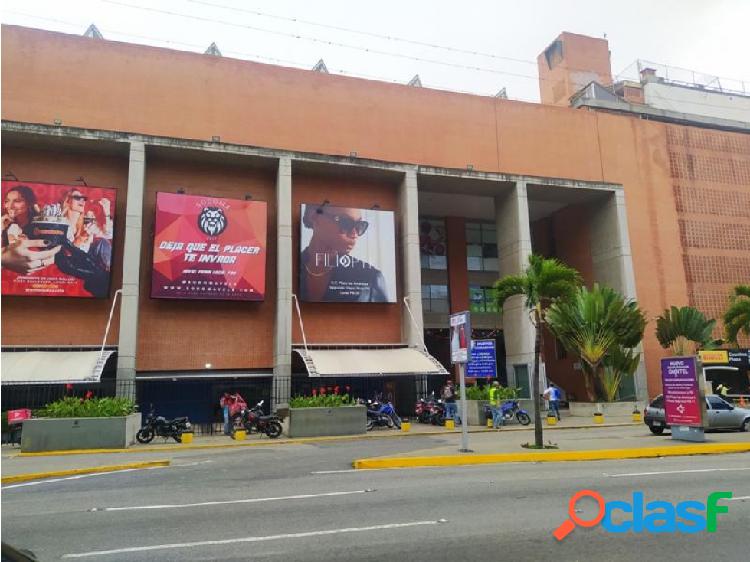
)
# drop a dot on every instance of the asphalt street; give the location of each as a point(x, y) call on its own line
point(305, 503)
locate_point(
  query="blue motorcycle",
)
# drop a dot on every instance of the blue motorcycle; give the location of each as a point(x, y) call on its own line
point(382, 415)
point(510, 409)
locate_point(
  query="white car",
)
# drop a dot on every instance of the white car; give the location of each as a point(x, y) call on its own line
point(720, 414)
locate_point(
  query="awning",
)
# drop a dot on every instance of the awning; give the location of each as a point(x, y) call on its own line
point(199, 375)
point(358, 362)
point(53, 367)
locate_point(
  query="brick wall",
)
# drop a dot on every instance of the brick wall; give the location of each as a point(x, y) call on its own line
point(710, 173)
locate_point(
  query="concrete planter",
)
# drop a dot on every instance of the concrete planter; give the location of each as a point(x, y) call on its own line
point(587, 409)
point(475, 411)
point(59, 434)
point(316, 422)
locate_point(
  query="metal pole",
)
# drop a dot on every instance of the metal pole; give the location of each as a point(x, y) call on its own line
point(464, 424)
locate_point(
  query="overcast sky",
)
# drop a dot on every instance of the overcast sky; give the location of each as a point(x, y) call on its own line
point(386, 39)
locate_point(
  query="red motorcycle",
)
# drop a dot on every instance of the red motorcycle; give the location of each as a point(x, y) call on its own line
point(253, 419)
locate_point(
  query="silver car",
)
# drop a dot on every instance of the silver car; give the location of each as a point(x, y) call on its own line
point(720, 414)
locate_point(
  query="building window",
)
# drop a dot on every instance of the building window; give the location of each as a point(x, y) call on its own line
point(435, 298)
point(481, 247)
point(432, 245)
point(482, 299)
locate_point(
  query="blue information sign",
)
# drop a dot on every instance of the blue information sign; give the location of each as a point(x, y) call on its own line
point(483, 363)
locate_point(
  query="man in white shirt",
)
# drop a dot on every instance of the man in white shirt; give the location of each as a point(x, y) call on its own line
point(552, 394)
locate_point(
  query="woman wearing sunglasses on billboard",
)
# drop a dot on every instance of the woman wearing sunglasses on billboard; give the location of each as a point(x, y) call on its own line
point(328, 271)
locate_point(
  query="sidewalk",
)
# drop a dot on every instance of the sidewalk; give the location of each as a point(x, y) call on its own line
point(505, 446)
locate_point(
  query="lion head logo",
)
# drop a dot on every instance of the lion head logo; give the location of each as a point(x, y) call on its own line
point(212, 221)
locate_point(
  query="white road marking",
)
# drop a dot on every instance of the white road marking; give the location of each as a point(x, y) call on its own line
point(739, 498)
point(228, 502)
point(252, 539)
point(675, 472)
point(78, 476)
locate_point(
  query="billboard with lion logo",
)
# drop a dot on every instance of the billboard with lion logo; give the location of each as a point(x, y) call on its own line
point(209, 248)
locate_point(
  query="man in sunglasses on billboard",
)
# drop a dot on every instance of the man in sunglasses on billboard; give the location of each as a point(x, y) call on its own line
point(328, 271)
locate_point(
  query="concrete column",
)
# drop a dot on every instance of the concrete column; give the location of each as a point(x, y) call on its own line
point(514, 249)
point(412, 273)
point(612, 259)
point(282, 354)
point(131, 269)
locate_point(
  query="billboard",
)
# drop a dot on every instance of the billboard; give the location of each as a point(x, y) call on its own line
point(683, 400)
point(56, 239)
point(209, 248)
point(460, 337)
point(482, 359)
point(347, 254)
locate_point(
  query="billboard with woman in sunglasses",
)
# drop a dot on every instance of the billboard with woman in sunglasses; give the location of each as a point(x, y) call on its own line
point(56, 239)
point(348, 254)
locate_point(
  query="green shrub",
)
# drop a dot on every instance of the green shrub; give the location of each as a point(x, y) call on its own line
point(72, 407)
point(476, 392)
point(321, 401)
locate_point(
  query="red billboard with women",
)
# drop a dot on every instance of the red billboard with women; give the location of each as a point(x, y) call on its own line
point(56, 239)
point(209, 248)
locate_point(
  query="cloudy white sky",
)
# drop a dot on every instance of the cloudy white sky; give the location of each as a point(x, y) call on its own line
point(475, 46)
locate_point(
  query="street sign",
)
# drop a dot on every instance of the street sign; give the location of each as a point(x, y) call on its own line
point(460, 337)
point(684, 401)
point(714, 357)
point(482, 359)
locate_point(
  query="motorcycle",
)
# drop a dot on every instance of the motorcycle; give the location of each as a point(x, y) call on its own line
point(510, 409)
point(159, 426)
point(381, 415)
point(437, 413)
point(253, 419)
point(422, 411)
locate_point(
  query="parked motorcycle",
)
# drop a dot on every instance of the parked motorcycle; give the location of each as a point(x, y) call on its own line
point(381, 415)
point(422, 411)
point(437, 413)
point(159, 426)
point(511, 409)
point(253, 419)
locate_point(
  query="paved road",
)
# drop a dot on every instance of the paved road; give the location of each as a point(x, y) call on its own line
point(308, 513)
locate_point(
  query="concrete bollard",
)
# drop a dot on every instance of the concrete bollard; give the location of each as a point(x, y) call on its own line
point(637, 417)
point(489, 423)
point(239, 435)
point(186, 438)
point(551, 419)
point(449, 424)
point(405, 426)
point(598, 417)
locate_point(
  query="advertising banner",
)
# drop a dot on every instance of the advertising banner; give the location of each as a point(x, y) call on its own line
point(714, 357)
point(56, 239)
point(683, 400)
point(483, 360)
point(460, 336)
point(347, 254)
point(209, 248)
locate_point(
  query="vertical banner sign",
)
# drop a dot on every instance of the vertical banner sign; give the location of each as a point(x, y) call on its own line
point(209, 248)
point(482, 359)
point(683, 399)
point(460, 336)
point(57, 239)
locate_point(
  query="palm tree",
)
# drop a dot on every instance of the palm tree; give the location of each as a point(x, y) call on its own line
point(592, 324)
point(737, 316)
point(684, 330)
point(618, 363)
point(544, 282)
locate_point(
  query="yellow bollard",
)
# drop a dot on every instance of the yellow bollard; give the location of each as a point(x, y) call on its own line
point(551, 419)
point(405, 426)
point(239, 435)
point(449, 424)
point(637, 417)
point(186, 438)
point(598, 417)
point(489, 423)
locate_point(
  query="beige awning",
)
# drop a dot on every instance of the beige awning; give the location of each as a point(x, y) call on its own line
point(52, 367)
point(357, 362)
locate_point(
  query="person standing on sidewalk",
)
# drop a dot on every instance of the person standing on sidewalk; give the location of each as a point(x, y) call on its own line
point(225, 402)
point(552, 394)
point(449, 397)
point(497, 410)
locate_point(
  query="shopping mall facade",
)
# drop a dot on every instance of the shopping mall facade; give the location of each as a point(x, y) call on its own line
point(650, 201)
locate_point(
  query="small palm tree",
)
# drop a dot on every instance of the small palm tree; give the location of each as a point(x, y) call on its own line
point(737, 316)
point(593, 323)
point(620, 362)
point(685, 330)
point(544, 282)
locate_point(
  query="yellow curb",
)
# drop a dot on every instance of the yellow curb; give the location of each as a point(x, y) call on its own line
point(74, 471)
point(298, 441)
point(552, 456)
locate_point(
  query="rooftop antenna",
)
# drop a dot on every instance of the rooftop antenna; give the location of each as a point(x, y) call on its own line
point(320, 66)
point(92, 32)
point(415, 82)
point(213, 50)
